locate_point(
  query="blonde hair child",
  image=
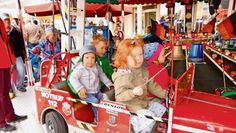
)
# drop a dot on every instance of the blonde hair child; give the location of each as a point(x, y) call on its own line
point(99, 42)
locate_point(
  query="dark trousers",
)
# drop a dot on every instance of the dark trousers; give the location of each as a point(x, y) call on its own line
point(6, 108)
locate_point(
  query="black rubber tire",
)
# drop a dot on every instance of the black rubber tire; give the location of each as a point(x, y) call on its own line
point(55, 123)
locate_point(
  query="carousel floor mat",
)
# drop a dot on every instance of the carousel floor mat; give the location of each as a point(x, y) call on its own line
point(208, 77)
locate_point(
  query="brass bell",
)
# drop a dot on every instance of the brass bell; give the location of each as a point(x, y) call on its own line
point(178, 53)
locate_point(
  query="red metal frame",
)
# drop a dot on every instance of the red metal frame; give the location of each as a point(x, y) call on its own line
point(61, 68)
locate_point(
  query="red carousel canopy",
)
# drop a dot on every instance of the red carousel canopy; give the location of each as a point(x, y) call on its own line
point(91, 9)
point(142, 1)
point(101, 9)
point(43, 9)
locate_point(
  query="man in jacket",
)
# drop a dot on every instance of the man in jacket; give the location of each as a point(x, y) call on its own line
point(7, 114)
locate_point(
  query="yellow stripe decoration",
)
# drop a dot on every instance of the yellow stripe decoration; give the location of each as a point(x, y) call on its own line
point(90, 128)
point(80, 125)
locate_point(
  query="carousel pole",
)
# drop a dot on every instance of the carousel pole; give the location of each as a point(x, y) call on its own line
point(27, 61)
point(171, 34)
point(122, 15)
point(224, 81)
point(108, 17)
point(53, 19)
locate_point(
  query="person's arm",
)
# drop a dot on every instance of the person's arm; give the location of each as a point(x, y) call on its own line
point(74, 82)
point(38, 49)
point(156, 89)
point(22, 44)
point(123, 90)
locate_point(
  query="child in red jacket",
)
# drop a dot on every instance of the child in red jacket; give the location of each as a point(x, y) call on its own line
point(154, 54)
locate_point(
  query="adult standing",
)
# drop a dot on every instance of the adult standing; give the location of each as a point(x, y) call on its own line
point(150, 37)
point(17, 41)
point(33, 33)
point(7, 114)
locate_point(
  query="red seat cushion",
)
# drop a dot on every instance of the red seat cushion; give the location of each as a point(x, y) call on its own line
point(83, 112)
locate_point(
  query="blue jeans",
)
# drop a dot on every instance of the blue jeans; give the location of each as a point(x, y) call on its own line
point(20, 70)
point(94, 98)
point(20, 75)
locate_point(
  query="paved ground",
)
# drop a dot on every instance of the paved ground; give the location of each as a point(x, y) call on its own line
point(24, 104)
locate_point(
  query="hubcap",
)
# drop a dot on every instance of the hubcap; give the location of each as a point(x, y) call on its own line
point(51, 126)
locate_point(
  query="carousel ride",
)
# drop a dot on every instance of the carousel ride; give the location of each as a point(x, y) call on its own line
point(189, 110)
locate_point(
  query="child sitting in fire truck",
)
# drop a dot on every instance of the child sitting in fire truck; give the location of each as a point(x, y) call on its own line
point(84, 80)
point(131, 85)
point(154, 55)
point(99, 42)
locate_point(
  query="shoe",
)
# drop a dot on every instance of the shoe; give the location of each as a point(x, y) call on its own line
point(7, 128)
point(18, 119)
point(22, 89)
point(12, 95)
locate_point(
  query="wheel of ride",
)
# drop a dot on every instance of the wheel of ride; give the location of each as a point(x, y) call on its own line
point(55, 123)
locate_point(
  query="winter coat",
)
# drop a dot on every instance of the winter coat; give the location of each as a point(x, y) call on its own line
point(17, 41)
point(125, 80)
point(104, 63)
point(47, 48)
point(6, 51)
point(88, 78)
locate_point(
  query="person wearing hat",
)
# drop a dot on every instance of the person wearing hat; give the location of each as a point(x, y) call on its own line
point(17, 41)
point(154, 55)
point(84, 80)
point(7, 114)
point(150, 37)
point(49, 46)
point(33, 33)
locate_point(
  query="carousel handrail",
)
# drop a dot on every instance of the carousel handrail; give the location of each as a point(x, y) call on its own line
point(225, 56)
point(29, 71)
point(221, 69)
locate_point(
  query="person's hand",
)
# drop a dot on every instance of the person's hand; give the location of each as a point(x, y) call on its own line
point(82, 93)
point(42, 49)
point(36, 51)
point(111, 87)
point(12, 67)
point(138, 91)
